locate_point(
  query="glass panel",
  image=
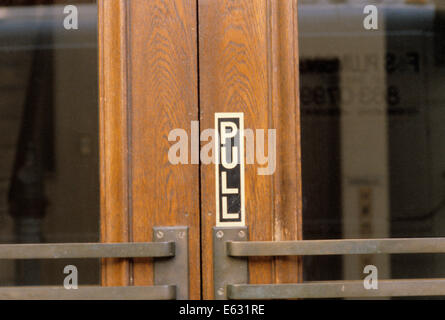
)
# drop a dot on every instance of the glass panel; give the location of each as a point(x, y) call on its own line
point(373, 133)
point(49, 184)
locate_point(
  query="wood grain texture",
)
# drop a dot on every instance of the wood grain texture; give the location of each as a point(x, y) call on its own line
point(249, 63)
point(286, 119)
point(164, 96)
point(113, 136)
point(148, 88)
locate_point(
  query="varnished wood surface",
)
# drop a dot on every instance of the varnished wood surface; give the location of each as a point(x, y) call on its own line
point(164, 96)
point(249, 63)
point(113, 136)
point(287, 195)
point(149, 87)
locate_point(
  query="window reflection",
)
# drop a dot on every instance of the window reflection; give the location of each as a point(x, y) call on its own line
point(373, 134)
point(48, 136)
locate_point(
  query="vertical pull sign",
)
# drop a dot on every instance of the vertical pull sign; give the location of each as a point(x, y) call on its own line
point(229, 168)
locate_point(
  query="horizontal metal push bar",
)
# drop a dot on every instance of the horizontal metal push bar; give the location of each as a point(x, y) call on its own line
point(160, 292)
point(171, 276)
point(335, 247)
point(231, 276)
point(87, 250)
point(337, 289)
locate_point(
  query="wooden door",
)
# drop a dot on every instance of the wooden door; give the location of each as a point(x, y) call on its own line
point(165, 64)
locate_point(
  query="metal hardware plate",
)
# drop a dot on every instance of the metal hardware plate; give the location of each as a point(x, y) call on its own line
point(228, 270)
point(338, 289)
point(173, 270)
point(89, 293)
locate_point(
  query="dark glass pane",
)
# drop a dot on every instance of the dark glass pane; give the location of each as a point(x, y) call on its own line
point(373, 133)
point(49, 184)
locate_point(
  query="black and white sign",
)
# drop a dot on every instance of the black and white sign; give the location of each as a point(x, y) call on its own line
point(229, 167)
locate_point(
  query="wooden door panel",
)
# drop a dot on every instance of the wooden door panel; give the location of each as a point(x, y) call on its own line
point(113, 136)
point(249, 63)
point(164, 96)
point(148, 88)
point(149, 85)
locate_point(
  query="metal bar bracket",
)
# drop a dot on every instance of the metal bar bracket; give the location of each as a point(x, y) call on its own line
point(173, 270)
point(226, 269)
